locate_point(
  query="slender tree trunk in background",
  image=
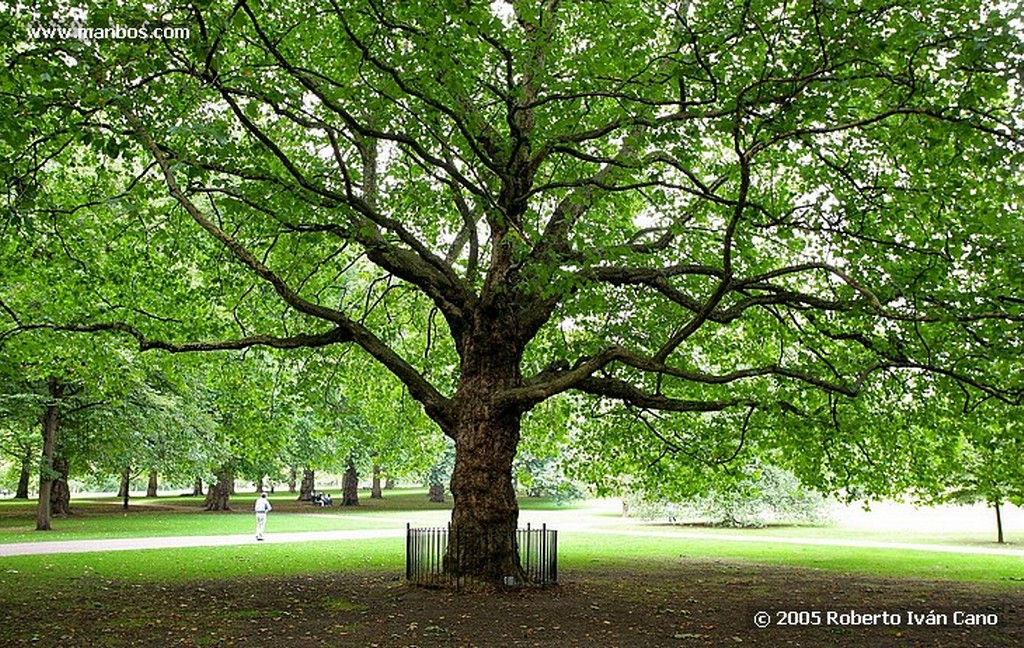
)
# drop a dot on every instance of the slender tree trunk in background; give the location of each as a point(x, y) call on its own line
point(389, 483)
point(350, 486)
point(124, 483)
point(308, 485)
point(292, 479)
point(197, 488)
point(123, 489)
point(152, 487)
point(51, 425)
point(60, 493)
point(219, 494)
point(26, 475)
point(999, 524)
point(375, 492)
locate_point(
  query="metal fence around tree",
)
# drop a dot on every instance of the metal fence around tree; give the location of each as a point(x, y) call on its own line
point(426, 550)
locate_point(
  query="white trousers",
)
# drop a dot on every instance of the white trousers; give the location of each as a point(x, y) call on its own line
point(261, 524)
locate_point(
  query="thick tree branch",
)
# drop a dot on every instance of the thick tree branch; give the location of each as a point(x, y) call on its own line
point(435, 404)
point(627, 393)
point(146, 343)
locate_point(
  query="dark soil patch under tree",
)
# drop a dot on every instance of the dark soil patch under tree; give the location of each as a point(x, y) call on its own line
point(691, 603)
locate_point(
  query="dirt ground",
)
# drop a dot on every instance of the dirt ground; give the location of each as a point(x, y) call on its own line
point(689, 603)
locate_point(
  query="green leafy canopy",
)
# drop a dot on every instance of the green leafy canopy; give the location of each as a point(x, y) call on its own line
point(725, 231)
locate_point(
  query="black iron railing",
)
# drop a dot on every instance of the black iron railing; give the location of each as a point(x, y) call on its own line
point(426, 553)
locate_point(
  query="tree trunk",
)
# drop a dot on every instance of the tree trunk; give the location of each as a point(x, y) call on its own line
point(219, 494)
point(375, 492)
point(389, 482)
point(197, 488)
point(482, 546)
point(307, 486)
point(350, 486)
point(485, 513)
point(999, 524)
point(26, 475)
point(60, 493)
point(151, 488)
point(292, 478)
point(436, 493)
point(123, 489)
point(51, 425)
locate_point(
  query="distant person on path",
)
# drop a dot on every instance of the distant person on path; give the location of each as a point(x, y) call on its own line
point(262, 508)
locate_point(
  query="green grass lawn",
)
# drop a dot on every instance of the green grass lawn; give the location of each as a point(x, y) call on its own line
point(168, 516)
point(587, 549)
point(582, 552)
point(103, 518)
point(26, 574)
point(346, 591)
point(174, 516)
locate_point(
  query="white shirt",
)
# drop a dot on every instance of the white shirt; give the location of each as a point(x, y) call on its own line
point(263, 505)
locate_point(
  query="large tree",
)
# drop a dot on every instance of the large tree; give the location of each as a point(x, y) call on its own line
point(758, 209)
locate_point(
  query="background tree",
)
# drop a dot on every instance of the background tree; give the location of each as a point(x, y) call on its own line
point(329, 416)
point(439, 473)
point(401, 440)
point(65, 388)
point(161, 426)
point(20, 446)
point(19, 433)
point(547, 450)
point(980, 460)
point(766, 496)
point(721, 221)
point(252, 424)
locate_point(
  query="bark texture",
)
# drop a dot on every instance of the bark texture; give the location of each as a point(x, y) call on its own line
point(51, 427)
point(307, 486)
point(485, 514)
point(436, 493)
point(26, 474)
point(375, 490)
point(151, 487)
point(218, 495)
point(350, 486)
point(60, 493)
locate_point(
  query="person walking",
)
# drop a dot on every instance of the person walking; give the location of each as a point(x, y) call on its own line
point(262, 508)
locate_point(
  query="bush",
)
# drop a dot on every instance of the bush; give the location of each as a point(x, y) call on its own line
point(772, 496)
